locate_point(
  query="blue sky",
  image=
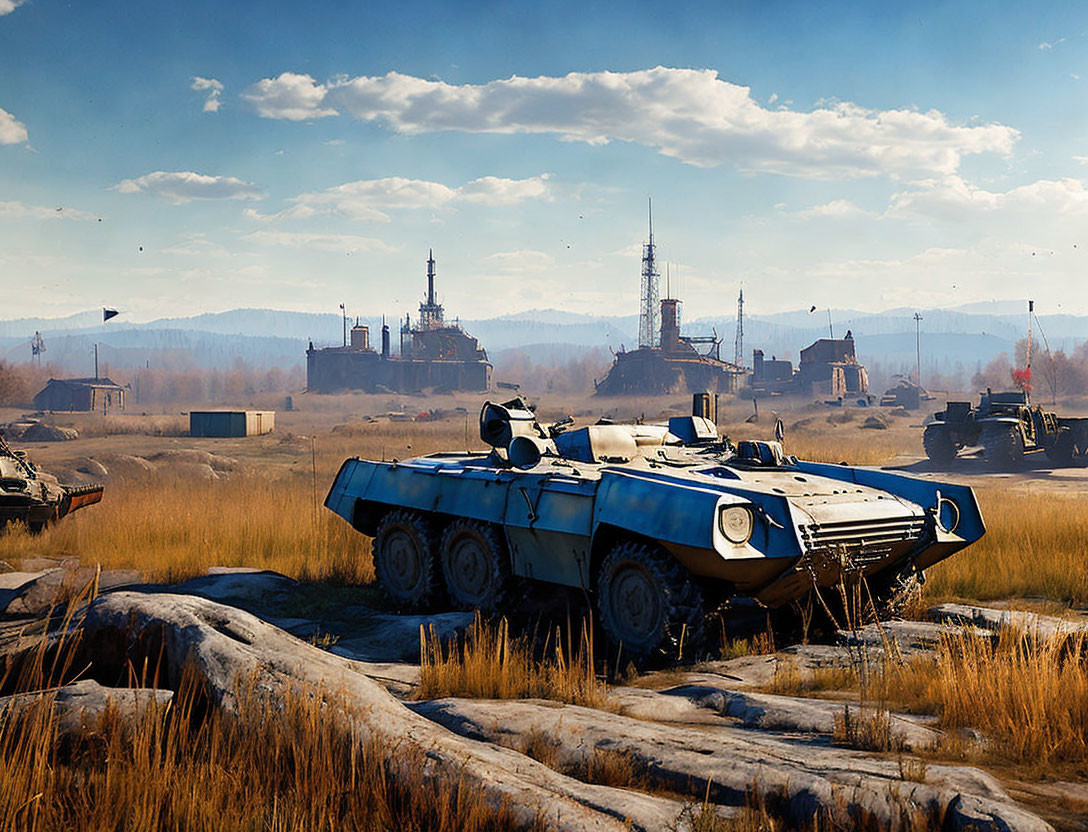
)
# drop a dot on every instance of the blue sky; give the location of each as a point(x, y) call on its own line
point(206, 156)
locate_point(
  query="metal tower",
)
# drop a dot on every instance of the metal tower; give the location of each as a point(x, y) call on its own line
point(738, 342)
point(430, 312)
point(648, 311)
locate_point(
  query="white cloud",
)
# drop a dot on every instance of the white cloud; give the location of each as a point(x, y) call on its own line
point(323, 242)
point(372, 199)
point(18, 210)
point(196, 245)
point(953, 198)
point(1046, 46)
point(691, 115)
point(520, 261)
point(835, 208)
point(213, 88)
point(12, 131)
point(290, 96)
point(8, 6)
point(184, 186)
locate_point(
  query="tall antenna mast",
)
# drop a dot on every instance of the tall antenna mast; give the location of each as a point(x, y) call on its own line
point(738, 342)
point(648, 311)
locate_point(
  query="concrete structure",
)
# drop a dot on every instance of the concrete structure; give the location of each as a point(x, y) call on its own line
point(829, 369)
point(231, 422)
point(81, 394)
point(433, 353)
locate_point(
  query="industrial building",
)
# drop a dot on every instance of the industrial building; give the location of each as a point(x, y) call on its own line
point(81, 394)
point(666, 361)
point(829, 368)
point(434, 353)
point(231, 422)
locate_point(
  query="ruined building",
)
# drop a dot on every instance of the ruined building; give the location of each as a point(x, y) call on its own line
point(666, 361)
point(434, 353)
point(829, 369)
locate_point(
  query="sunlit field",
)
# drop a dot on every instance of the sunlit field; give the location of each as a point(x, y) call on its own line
point(268, 513)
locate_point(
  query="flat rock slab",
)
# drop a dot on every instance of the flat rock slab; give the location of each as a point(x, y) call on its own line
point(80, 705)
point(992, 618)
point(729, 763)
point(30, 594)
point(765, 711)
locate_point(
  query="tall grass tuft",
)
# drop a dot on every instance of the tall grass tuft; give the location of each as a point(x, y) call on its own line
point(489, 663)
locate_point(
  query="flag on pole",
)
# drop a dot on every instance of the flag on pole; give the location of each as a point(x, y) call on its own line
point(108, 313)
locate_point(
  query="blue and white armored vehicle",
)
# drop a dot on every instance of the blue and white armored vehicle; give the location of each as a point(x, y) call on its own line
point(659, 524)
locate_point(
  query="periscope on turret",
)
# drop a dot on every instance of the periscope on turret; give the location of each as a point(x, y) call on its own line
point(659, 524)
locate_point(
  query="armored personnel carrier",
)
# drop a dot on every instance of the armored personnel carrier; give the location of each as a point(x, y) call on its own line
point(31, 496)
point(658, 523)
point(1007, 426)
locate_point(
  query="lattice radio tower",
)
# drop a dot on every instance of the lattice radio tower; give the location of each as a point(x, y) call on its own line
point(738, 342)
point(648, 311)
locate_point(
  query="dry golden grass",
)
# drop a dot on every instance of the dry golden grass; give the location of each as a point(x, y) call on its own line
point(280, 766)
point(1035, 545)
point(489, 663)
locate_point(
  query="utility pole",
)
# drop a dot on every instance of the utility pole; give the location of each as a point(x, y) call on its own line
point(918, 348)
point(344, 318)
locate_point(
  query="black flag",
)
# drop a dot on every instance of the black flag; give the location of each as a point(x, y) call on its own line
point(108, 313)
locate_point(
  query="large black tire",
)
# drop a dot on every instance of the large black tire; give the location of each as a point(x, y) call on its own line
point(1002, 445)
point(646, 600)
point(405, 560)
point(1064, 449)
point(475, 564)
point(939, 444)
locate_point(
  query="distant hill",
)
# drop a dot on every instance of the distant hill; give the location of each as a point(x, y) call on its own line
point(963, 337)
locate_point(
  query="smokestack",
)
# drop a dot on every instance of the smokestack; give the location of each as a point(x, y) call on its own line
point(385, 339)
point(430, 277)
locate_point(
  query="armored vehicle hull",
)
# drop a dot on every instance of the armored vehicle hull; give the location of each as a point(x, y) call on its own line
point(31, 496)
point(658, 523)
point(1007, 426)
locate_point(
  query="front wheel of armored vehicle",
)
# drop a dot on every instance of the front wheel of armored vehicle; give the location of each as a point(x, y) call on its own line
point(475, 564)
point(405, 562)
point(939, 444)
point(648, 602)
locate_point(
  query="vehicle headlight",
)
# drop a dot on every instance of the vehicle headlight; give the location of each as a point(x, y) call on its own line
point(735, 523)
point(948, 514)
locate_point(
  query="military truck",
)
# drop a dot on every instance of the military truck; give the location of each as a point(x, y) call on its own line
point(1007, 426)
point(31, 496)
point(659, 524)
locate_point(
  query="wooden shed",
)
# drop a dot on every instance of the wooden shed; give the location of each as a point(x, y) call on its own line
point(81, 394)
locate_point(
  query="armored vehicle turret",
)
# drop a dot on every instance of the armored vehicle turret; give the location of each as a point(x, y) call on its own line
point(659, 524)
point(31, 496)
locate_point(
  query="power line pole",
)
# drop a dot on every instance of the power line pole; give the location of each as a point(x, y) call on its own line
point(918, 348)
point(738, 342)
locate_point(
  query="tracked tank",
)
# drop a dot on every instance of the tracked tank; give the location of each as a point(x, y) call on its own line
point(32, 496)
point(658, 524)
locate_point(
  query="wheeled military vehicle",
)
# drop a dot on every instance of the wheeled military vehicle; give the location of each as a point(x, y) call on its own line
point(1007, 426)
point(658, 523)
point(31, 496)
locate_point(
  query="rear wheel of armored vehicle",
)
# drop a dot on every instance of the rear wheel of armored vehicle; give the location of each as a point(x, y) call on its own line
point(647, 602)
point(405, 560)
point(1002, 445)
point(939, 444)
point(1063, 450)
point(475, 564)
